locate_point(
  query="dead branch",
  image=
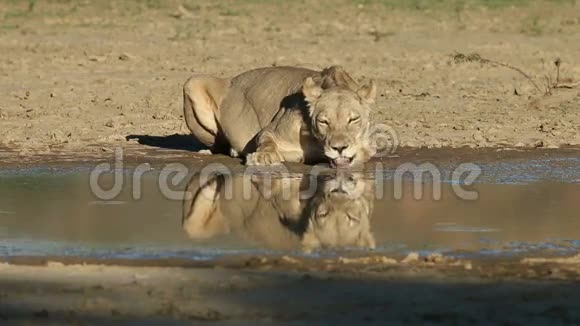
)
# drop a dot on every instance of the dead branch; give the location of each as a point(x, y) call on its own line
point(475, 57)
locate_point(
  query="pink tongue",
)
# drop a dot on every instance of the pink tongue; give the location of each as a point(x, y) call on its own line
point(341, 161)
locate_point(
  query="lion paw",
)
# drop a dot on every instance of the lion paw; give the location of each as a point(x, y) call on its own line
point(264, 158)
point(234, 153)
point(204, 152)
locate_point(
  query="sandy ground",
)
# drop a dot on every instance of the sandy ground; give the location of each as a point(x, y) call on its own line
point(286, 290)
point(79, 73)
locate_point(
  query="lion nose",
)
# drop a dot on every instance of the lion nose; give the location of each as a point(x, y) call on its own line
point(339, 148)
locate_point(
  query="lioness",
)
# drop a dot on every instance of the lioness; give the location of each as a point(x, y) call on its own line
point(282, 213)
point(276, 114)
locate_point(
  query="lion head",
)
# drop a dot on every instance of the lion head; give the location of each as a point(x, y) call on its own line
point(339, 214)
point(340, 120)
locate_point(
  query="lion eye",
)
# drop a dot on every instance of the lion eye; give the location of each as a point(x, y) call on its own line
point(352, 219)
point(353, 119)
point(321, 211)
point(323, 122)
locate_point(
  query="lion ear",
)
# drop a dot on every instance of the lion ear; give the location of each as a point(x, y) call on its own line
point(336, 76)
point(311, 90)
point(368, 92)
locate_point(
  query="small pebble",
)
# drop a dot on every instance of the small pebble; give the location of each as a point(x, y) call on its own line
point(125, 57)
point(411, 258)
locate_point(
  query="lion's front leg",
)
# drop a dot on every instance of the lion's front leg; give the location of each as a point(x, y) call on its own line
point(267, 152)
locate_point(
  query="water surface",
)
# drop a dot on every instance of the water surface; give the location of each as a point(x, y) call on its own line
point(521, 207)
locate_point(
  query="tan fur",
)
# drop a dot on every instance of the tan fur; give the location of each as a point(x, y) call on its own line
point(340, 214)
point(340, 120)
point(269, 115)
point(336, 214)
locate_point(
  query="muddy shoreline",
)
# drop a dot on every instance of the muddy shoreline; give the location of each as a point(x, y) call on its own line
point(135, 155)
point(534, 266)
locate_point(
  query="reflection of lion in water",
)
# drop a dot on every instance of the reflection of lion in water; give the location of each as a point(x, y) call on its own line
point(282, 214)
point(276, 114)
point(340, 214)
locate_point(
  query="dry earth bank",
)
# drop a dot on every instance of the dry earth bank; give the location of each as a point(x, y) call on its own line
point(74, 73)
point(286, 290)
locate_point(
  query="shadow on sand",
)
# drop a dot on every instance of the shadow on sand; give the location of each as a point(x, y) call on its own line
point(175, 141)
point(288, 298)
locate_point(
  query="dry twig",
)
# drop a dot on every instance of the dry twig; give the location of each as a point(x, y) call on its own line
point(475, 57)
